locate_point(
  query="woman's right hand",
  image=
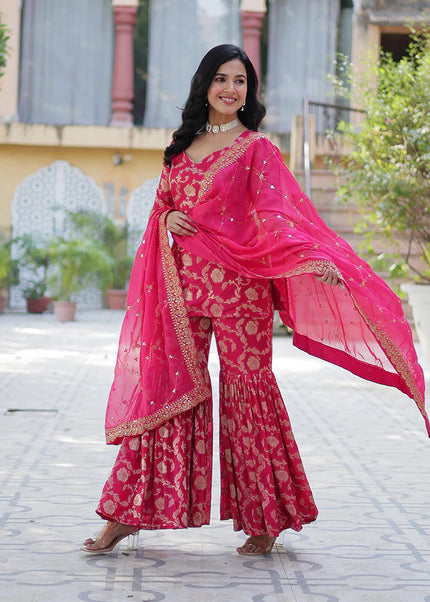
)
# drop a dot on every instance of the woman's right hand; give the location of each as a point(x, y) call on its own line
point(179, 223)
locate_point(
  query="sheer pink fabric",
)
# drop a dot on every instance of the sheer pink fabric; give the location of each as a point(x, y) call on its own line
point(253, 219)
point(162, 478)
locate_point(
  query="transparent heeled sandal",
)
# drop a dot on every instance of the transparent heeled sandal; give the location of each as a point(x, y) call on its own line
point(133, 541)
point(132, 544)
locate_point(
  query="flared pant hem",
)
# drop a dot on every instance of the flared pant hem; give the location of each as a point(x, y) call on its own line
point(174, 526)
point(162, 478)
point(151, 526)
point(269, 531)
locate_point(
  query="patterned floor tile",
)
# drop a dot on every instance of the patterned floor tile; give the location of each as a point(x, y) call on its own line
point(364, 447)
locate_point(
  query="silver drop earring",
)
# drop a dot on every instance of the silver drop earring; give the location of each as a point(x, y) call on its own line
point(242, 108)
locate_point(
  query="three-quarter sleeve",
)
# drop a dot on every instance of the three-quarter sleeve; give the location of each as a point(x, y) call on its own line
point(163, 197)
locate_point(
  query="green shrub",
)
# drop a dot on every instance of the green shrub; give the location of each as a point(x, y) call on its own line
point(387, 173)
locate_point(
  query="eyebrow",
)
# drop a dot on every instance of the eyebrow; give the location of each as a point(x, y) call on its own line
point(225, 75)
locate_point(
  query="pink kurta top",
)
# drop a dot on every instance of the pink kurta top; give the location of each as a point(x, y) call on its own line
point(209, 288)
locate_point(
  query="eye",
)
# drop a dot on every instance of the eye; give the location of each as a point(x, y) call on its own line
point(219, 79)
point(240, 81)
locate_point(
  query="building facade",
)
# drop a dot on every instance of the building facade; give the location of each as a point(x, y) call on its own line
point(75, 80)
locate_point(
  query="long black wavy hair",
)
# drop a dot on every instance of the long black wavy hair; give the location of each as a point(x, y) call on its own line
point(195, 111)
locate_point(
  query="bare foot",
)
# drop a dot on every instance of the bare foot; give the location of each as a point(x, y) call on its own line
point(111, 534)
point(257, 545)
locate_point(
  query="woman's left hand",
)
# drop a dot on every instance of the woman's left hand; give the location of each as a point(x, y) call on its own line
point(179, 223)
point(329, 277)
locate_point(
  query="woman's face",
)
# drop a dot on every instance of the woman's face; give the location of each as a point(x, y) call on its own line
point(227, 92)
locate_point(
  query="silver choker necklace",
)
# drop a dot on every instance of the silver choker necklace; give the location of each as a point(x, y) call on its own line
point(224, 127)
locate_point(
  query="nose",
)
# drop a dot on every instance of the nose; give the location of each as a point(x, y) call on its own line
point(229, 85)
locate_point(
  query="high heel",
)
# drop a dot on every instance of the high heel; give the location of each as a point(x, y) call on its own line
point(132, 543)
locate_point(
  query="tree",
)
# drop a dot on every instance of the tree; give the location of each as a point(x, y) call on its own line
point(4, 38)
point(387, 173)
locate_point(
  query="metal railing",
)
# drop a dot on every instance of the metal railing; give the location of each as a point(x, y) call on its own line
point(327, 121)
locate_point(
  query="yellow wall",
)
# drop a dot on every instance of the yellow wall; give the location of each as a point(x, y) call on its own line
point(19, 161)
point(25, 148)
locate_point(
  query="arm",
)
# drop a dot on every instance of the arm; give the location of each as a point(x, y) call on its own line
point(163, 196)
point(177, 222)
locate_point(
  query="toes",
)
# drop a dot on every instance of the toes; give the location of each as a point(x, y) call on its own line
point(251, 548)
point(254, 549)
point(259, 544)
point(89, 542)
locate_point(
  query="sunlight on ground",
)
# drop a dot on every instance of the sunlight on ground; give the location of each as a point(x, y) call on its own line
point(41, 354)
point(41, 331)
point(29, 360)
point(297, 364)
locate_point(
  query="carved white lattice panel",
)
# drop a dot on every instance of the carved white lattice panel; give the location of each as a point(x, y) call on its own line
point(38, 209)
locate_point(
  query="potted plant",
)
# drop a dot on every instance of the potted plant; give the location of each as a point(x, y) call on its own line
point(114, 238)
point(387, 172)
point(33, 266)
point(74, 264)
point(8, 270)
point(35, 298)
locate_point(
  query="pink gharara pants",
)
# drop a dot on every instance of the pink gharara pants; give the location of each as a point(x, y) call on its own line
point(162, 478)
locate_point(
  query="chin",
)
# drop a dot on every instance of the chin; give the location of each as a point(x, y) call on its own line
point(228, 110)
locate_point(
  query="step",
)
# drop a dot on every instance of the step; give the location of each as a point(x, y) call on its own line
point(320, 178)
point(340, 220)
point(326, 197)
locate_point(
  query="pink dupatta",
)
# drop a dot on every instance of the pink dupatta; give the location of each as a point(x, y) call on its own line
point(252, 218)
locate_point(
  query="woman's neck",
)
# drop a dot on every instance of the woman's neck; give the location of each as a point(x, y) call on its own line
point(219, 118)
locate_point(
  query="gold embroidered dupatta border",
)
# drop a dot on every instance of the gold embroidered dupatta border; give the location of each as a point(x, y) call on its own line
point(182, 328)
point(231, 154)
point(397, 360)
point(181, 319)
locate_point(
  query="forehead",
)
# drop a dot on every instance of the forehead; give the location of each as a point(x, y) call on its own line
point(233, 67)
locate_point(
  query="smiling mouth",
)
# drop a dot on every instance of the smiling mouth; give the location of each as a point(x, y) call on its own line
point(227, 99)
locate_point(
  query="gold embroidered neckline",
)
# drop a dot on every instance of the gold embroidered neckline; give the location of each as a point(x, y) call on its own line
point(219, 150)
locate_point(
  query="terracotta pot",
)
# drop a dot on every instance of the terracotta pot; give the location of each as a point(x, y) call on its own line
point(65, 310)
point(3, 301)
point(37, 306)
point(116, 298)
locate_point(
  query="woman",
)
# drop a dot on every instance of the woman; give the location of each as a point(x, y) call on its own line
point(246, 240)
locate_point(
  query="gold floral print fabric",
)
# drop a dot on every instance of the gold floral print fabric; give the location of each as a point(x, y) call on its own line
point(162, 479)
point(209, 288)
point(214, 291)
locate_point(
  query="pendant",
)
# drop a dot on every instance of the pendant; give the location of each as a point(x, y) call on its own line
point(224, 127)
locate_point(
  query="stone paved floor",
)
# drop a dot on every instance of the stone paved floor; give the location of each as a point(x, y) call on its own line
point(364, 447)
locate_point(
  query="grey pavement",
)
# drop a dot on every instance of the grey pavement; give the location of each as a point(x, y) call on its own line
point(364, 447)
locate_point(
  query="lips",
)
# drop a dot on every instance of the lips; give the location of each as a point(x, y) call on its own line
point(227, 99)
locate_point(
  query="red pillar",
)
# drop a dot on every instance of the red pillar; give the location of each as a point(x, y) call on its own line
point(252, 22)
point(123, 70)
